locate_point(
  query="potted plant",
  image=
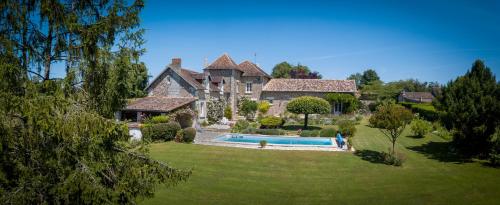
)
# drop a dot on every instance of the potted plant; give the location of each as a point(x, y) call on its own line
point(349, 143)
point(263, 143)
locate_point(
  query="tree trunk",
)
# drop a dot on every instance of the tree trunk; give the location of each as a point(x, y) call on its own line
point(305, 121)
point(48, 52)
point(393, 144)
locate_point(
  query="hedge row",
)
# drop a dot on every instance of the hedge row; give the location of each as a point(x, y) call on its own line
point(263, 131)
point(424, 110)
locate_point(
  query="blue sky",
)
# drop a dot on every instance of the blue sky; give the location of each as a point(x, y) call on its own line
point(427, 40)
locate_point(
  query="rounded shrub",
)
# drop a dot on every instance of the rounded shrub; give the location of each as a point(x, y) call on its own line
point(228, 113)
point(189, 134)
point(179, 136)
point(327, 132)
point(263, 143)
point(271, 122)
point(420, 127)
point(264, 107)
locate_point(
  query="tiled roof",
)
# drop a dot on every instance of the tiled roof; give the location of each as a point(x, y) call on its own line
point(417, 95)
point(187, 75)
point(250, 69)
point(310, 85)
point(158, 104)
point(223, 62)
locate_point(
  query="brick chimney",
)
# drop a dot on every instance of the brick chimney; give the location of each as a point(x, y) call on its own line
point(176, 63)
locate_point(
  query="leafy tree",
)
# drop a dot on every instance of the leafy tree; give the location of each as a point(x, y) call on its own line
point(391, 119)
point(471, 106)
point(247, 107)
point(349, 102)
point(308, 105)
point(356, 77)
point(369, 76)
point(282, 70)
point(494, 155)
point(264, 107)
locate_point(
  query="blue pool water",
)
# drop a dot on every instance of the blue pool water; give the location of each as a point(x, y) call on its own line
point(275, 139)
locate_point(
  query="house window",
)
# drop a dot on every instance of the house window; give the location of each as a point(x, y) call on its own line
point(337, 108)
point(168, 79)
point(248, 88)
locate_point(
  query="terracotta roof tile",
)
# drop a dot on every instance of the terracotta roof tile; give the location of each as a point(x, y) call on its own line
point(310, 85)
point(158, 104)
point(250, 69)
point(223, 62)
point(417, 95)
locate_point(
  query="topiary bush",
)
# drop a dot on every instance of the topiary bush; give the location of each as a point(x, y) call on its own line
point(347, 128)
point(309, 133)
point(327, 132)
point(189, 134)
point(420, 127)
point(184, 117)
point(161, 131)
point(271, 122)
point(179, 136)
point(239, 126)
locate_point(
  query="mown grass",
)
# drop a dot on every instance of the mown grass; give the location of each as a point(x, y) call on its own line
point(430, 175)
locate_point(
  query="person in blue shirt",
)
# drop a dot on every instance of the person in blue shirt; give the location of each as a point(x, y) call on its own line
point(339, 139)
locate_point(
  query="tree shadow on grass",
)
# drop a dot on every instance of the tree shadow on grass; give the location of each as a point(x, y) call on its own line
point(441, 151)
point(415, 137)
point(297, 127)
point(370, 156)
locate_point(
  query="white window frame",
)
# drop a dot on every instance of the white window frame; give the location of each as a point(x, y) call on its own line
point(246, 87)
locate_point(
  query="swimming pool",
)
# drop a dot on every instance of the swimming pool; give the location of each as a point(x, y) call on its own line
point(277, 140)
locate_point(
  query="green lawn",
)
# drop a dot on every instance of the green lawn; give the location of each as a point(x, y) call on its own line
point(246, 176)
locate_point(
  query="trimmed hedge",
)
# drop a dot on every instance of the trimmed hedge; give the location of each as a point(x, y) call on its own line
point(161, 131)
point(328, 132)
point(424, 110)
point(251, 130)
point(189, 135)
point(309, 133)
point(157, 119)
point(271, 122)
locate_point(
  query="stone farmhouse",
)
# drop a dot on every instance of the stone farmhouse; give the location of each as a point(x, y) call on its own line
point(177, 87)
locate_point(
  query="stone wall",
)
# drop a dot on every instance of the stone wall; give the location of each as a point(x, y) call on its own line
point(281, 99)
point(177, 87)
point(257, 85)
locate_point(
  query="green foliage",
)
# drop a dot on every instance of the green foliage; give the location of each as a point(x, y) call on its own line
point(239, 126)
point(282, 70)
point(264, 107)
point(247, 108)
point(251, 130)
point(393, 158)
point(471, 106)
point(228, 113)
point(494, 155)
point(309, 133)
point(184, 117)
point(424, 110)
point(357, 78)
point(369, 76)
point(179, 136)
point(72, 152)
point(157, 119)
point(215, 110)
point(189, 135)
point(308, 105)
point(347, 127)
point(263, 143)
point(420, 127)
point(161, 131)
point(328, 132)
point(391, 119)
point(272, 122)
point(349, 102)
